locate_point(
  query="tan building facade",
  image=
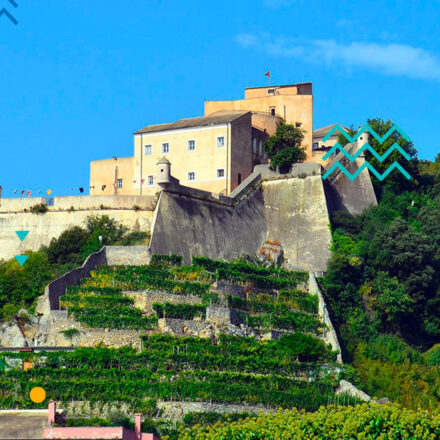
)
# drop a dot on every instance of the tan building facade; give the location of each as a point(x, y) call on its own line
point(319, 147)
point(215, 152)
point(292, 103)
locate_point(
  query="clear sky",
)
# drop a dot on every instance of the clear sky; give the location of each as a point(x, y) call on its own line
point(79, 77)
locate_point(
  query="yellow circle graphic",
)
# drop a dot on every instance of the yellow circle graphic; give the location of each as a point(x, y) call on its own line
point(37, 394)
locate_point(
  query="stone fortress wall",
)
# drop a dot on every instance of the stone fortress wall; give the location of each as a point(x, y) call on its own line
point(135, 212)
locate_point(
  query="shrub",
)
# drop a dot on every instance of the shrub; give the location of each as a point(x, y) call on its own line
point(167, 260)
point(331, 423)
point(40, 208)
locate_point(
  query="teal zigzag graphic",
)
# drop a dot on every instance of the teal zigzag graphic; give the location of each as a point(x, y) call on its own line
point(370, 167)
point(366, 127)
point(367, 146)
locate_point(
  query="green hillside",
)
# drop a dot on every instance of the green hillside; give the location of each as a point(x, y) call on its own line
point(295, 370)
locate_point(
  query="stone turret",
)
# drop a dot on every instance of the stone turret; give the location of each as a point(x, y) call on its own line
point(163, 177)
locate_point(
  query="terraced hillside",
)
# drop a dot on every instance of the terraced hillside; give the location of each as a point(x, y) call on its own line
point(262, 347)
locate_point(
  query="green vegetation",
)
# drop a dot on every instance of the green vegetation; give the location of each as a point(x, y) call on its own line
point(367, 422)
point(284, 147)
point(21, 286)
point(100, 301)
point(383, 282)
point(40, 208)
point(233, 370)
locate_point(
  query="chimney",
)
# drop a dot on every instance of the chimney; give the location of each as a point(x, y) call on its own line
point(137, 426)
point(52, 412)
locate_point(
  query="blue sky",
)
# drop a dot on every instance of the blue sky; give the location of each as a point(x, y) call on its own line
point(78, 77)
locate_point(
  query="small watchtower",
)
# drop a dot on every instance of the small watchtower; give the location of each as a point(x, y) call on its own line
point(163, 177)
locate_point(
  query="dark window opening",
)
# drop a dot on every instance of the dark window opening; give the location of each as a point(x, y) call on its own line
point(239, 178)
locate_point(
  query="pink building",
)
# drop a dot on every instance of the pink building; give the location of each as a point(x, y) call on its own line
point(90, 433)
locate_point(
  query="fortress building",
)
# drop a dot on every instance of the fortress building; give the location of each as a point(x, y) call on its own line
point(214, 152)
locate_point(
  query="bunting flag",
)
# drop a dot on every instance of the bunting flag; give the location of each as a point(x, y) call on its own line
point(49, 192)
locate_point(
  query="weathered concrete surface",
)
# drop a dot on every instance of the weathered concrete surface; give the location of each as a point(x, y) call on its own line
point(290, 210)
point(25, 424)
point(296, 215)
point(43, 227)
point(191, 226)
point(346, 195)
point(346, 387)
point(329, 335)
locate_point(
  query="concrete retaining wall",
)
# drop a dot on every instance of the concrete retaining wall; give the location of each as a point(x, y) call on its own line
point(43, 227)
point(346, 195)
point(20, 203)
point(330, 336)
point(58, 287)
point(296, 216)
point(290, 210)
point(108, 255)
point(128, 255)
point(95, 202)
point(191, 226)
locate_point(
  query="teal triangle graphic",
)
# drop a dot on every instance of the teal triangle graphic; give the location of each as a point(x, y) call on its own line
point(22, 234)
point(21, 259)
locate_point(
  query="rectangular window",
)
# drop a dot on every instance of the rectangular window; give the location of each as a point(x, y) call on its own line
point(315, 145)
point(148, 150)
point(272, 111)
point(221, 172)
point(191, 145)
point(298, 124)
point(119, 183)
point(239, 178)
point(165, 148)
point(150, 180)
point(220, 141)
point(191, 176)
point(271, 91)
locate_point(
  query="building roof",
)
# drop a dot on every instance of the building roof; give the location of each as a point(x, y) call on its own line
point(216, 118)
point(164, 160)
point(280, 86)
point(321, 132)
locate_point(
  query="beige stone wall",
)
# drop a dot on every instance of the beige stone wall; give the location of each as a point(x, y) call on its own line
point(107, 172)
point(43, 227)
point(292, 108)
point(258, 92)
point(264, 121)
point(144, 300)
point(204, 160)
point(20, 203)
point(110, 201)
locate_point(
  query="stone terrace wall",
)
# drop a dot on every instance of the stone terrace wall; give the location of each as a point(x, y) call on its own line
point(144, 300)
point(330, 335)
point(58, 287)
point(113, 255)
point(177, 410)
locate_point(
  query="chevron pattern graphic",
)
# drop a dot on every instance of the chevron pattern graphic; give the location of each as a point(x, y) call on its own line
point(5, 12)
point(366, 147)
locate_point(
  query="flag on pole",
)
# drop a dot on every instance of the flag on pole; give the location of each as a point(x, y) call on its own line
point(267, 74)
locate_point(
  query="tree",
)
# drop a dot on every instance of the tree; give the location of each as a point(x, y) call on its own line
point(284, 147)
point(67, 247)
point(395, 180)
